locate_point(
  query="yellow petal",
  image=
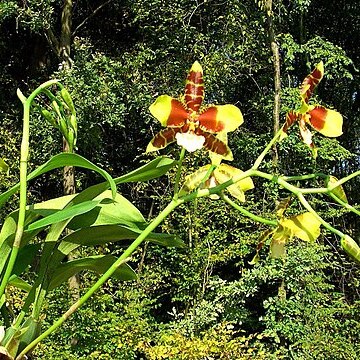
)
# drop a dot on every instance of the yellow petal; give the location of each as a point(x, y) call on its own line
point(226, 172)
point(338, 191)
point(351, 247)
point(304, 226)
point(277, 245)
point(193, 180)
point(326, 121)
point(169, 111)
point(227, 117)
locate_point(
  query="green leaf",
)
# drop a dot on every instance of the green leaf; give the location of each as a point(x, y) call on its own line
point(64, 214)
point(151, 170)
point(58, 161)
point(98, 263)
point(117, 211)
point(19, 283)
point(25, 258)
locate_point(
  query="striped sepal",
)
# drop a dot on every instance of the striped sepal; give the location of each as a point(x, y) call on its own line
point(194, 87)
point(215, 145)
point(291, 118)
point(162, 139)
point(311, 81)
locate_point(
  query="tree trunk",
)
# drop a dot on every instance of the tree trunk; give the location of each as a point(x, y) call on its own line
point(276, 64)
point(69, 173)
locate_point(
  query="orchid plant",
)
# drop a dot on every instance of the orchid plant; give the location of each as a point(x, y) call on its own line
point(98, 215)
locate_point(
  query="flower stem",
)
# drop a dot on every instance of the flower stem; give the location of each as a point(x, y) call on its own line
point(24, 154)
point(248, 213)
point(121, 260)
point(178, 173)
point(267, 149)
point(309, 208)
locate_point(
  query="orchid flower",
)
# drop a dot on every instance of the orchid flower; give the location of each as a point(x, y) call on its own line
point(327, 122)
point(222, 173)
point(191, 124)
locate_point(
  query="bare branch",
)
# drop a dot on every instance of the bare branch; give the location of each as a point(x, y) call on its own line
point(90, 16)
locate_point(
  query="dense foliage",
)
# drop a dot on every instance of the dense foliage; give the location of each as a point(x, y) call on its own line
point(207, 300)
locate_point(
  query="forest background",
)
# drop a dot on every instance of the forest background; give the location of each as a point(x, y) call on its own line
point(206, 300)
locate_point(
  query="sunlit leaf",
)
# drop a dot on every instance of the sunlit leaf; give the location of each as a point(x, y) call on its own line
point(4, 167)
point(98, 263)
point(58, 161)
point(108, 211)
point(19, 283)
point(67, 213)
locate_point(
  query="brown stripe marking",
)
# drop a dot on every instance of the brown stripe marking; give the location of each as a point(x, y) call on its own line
point(194, 90)
point(312, 80)
point(164, 137)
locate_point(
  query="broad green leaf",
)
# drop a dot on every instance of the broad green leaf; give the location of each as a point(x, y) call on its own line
point(339, 190)
point(99, 264)
point(117, 211)
point(102, 234)
point(304, 226)
point(151, 170)
point(25, 258)
point(58, 161)
point(66, 213)
point(19, 283)
point(351, 247)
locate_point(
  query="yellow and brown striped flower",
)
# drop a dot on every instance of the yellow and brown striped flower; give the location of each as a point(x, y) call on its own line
point(190, 123)
point(327, 122)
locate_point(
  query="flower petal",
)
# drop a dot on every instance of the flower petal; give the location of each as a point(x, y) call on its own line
point(194, 87)
point(162, 139)
point(291, 118)
point(190, 141)
point(215, 145)
point(277, 245)
point(221, 118)
point(304, 226)
point(193, 180)
point(328, 122)
point(305, 132)
point(169, 111)
point(311, 81)
point(226, 172)
point(216, 158)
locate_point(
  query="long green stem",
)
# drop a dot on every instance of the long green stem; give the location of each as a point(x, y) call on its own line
point(23, 183)
point(178, 173)
point(309, 208)
point(122, 259)
point(248, 213)
point(267, 149)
